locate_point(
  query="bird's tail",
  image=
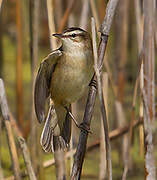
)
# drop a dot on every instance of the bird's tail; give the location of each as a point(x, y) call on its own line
point(55, 135)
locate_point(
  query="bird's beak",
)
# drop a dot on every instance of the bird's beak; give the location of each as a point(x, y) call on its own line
point(57, 35)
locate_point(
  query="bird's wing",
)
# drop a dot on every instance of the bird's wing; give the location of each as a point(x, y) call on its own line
point(42, 83)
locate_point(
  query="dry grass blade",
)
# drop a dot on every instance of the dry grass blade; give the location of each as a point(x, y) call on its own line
point(27, 160)
point(11, 142)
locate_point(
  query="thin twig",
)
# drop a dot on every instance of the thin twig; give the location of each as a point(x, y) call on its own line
point(26, 157)
point(11, 142)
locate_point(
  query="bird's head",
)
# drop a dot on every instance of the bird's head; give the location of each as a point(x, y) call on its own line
point(74, 38)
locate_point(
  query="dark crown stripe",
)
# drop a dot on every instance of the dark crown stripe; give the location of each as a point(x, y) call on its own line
point(73, 29)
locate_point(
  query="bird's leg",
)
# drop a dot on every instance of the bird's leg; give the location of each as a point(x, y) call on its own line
point(81, 126)
point(72, 116)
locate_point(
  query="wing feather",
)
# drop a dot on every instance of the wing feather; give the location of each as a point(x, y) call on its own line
point(42, 83)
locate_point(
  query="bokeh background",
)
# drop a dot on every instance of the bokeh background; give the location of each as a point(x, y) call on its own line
point(25, 39)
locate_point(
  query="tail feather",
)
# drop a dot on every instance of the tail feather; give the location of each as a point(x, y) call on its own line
point(46, 138)
point(52, 138)
point(50, 128)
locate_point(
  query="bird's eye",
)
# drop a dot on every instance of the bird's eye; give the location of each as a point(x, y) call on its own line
point(73, 35)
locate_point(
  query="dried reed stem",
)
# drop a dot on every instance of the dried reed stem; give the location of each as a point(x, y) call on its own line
point(81, 148)
point(149, 88)
point(94, 12)
point(102, 104)
point(15, 126)
point(34, 34)
point(84, 15)
point(19, 84)
point(66, 15)
point(113, 86)
point(141, 130)
point(51, 23)
point(1, 2)
point(11, 142)
point(1, 173)
point(102, 171)
point(26, 157)
point(139, 25)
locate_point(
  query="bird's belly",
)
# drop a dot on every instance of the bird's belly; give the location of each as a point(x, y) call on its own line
point(69, 82)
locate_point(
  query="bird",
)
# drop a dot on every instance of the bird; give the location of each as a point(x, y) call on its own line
point(62, 78)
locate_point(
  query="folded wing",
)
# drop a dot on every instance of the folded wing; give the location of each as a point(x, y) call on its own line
point(42, 83)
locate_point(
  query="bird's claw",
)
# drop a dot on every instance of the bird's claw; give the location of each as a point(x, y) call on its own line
point(93, 83)
point(85, 128)
point(81, 126)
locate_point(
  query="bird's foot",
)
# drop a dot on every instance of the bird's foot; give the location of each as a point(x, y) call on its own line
point(85, 128)
point(93, 83)
point(81, 126)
